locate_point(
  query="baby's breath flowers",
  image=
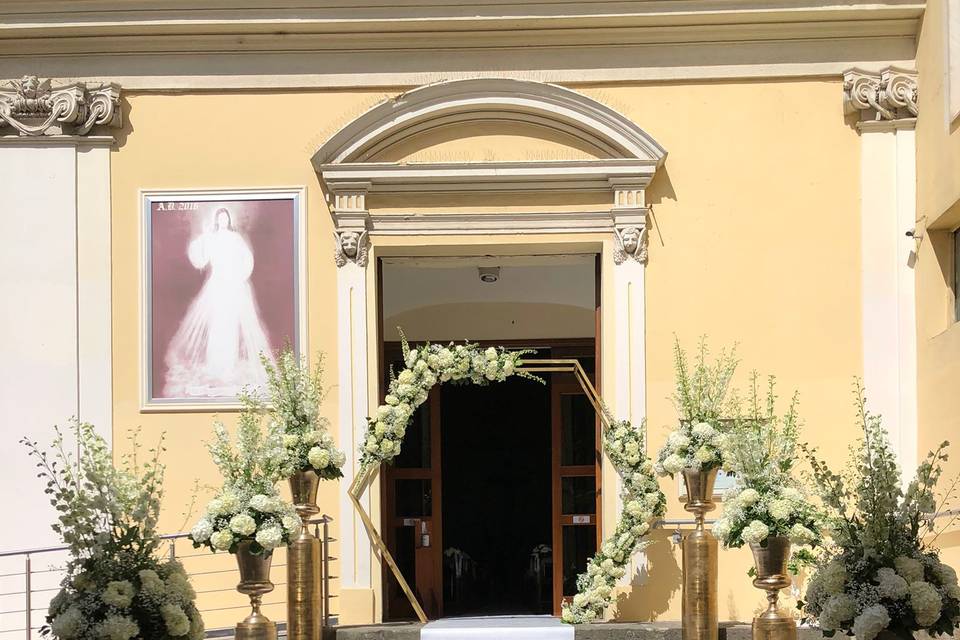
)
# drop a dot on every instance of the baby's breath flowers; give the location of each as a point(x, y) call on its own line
point(699, 438)
point(294, 396)
point(766, 499)
point(248, 507)
point(881, 572)
point(115, 588)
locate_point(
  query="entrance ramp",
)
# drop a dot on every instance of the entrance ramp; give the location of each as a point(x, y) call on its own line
point(498, 628)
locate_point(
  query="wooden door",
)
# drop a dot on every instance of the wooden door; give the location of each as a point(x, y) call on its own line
point(576, 485)
point(412, 517)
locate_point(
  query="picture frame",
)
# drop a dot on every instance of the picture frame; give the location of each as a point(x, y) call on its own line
point(222, 279)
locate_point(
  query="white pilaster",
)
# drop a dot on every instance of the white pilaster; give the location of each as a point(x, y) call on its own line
point(886, 103)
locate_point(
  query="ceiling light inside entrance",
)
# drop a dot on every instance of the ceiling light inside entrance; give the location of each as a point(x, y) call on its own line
point(489, 274)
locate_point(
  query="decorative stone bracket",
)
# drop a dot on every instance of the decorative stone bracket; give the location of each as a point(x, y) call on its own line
point(629, 220)
point(348, 204)
point(34, 108)
point(890, 94)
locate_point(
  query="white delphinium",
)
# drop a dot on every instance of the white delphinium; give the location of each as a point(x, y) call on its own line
point(294, 398)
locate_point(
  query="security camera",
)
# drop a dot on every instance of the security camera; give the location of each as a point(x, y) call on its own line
point(489, 274)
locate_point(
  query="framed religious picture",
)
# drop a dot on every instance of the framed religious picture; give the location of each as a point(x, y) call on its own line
point(222, 283)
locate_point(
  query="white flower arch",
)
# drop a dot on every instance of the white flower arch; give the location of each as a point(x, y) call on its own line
point(624, 444)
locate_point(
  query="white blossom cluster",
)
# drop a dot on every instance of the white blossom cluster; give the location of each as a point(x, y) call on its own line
point(751, 515)
point(77, 611)
point(427, 366)
point(880, 574)
point(248, 507)
point(692, 446)
point(643, 501)
point(915, 593)
point(294, 396)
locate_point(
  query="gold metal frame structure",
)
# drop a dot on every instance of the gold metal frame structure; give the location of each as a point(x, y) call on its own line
point(368, 473)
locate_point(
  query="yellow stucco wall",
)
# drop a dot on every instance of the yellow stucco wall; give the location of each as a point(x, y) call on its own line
point(938, 190)
point(755, 239)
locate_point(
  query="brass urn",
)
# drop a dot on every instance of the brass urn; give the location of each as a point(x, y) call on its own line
point(304, 569)
point(254, 582)
point(770, 562)
point(700, 560)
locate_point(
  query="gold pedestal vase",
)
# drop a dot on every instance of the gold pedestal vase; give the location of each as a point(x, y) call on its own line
point(254, 582)
point(304, 569)
point(770, 561)
point(699, 603)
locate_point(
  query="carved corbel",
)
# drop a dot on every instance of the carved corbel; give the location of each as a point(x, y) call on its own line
point(351, 246)
point(890, 94)
point(34, 108)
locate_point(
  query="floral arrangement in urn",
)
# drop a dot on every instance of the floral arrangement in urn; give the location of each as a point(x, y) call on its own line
point(248, 508)
point(700, 399)
point(116, 588)
point(881, 576)
point(295, 395)
point(766, 499)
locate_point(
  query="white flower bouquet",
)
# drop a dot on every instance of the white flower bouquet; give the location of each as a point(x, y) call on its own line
point(248, 507)
point(766, 500)
point(701, 390)
point(881, 573)
point(295, 395)
point(426, 366)
point(116, 588)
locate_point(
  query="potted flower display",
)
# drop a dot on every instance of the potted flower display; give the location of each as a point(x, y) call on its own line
point(695, 446)
point(247, 517)
point(767, 507)
point(293, 399)
point(116, 587)
point(881, 576)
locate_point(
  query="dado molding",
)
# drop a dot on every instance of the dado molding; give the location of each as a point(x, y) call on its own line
point(32, 107)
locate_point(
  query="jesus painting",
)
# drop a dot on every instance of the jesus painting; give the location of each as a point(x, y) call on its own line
point(223, 293)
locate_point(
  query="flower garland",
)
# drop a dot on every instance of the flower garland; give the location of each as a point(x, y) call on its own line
point(642, 502)
point(425, 367)
point(642, 498)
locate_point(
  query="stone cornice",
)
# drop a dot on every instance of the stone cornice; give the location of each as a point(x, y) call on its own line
point(33, 107)
point(886, 96)
point(138, 26)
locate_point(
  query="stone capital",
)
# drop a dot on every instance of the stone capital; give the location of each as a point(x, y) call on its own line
point(33, 107)
point(887, 95)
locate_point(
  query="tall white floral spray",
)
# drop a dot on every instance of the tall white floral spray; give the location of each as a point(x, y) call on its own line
point(881, 572)
point(700, 399)
point(116, 587)
point(293, 399)
point(248, 507)
point(767, 499)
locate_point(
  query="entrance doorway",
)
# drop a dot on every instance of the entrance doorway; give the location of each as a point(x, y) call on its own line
point(492, 506)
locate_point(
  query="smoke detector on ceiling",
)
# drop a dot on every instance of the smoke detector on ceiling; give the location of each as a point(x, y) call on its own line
point(489, 274)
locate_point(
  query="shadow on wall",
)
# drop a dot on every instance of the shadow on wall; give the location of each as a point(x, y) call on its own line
point(648, 598)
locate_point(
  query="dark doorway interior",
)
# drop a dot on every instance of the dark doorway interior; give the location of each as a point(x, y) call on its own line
point(496, 448)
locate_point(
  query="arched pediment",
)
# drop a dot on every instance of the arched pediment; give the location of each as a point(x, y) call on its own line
point(595, 125)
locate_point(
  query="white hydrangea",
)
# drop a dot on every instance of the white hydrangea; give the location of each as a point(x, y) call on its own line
point(925, 602)
point(705, 454)
point(837, 610)
point(799, 534)
point(755, 532)
point(291, 524)
point(871, 622)
point(174, 618)
point(672, 464)
point(118, 593)
point(892, 586)
point(780, 509)
point(243, 524)
point(117, 628)
point(703, 430)
point(721, 529)
point(678, 440)
point(229, 503)
point(221, 540)
point(945, 573)
point(264, 503)
point(318, 458)
point(792, 494)
point(150, 582)
point(748, 497)
point(833, 577)
point(910, 569)
point(270, 537)
point(68, 624)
